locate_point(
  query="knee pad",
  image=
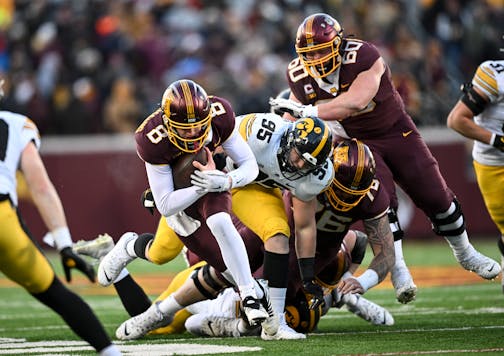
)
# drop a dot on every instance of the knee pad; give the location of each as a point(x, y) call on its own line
point(211, 286)
point(396, 228)
point(450, 222)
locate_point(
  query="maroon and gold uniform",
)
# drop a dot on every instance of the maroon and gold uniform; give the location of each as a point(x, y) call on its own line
point(399, 150)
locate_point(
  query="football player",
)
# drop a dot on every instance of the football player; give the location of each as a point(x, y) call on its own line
point(20, 258)
point(189, 121)
point(346, 82)
point(479, 115)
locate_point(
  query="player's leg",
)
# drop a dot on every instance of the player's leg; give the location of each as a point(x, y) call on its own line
point(262, 211)
point(216, 209)
point(417, 172)
point(491, 184)
point(22, 262)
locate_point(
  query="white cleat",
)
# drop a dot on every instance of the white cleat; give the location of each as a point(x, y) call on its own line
point(367, 310)
point(113, 263)
point(214, 326)
point(272, 322)
point(96, 248)
point(254, 311)
point(141, 324)
point(284, 332)
point(476, 262)
point(404, 286)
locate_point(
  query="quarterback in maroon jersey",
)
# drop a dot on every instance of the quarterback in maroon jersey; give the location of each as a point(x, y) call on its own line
point(346, 82)
point(189, 121)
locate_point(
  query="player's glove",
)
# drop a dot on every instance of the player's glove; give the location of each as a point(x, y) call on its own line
point(212, 181)
point(148, 201)
point(71, 260)
point(315, 293)
point(295, 109)
point(498, 142)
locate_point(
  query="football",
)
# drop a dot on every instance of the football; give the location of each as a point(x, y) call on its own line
point(183, 168)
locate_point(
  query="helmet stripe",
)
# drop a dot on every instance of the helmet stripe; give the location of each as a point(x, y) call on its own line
point(309, 31)
point(360, 164)
point(322, 142)
point(188, 99)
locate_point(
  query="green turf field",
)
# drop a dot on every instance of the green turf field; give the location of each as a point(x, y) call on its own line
point(449, 320)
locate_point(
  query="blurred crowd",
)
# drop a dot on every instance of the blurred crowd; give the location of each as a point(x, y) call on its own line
point(98, 66)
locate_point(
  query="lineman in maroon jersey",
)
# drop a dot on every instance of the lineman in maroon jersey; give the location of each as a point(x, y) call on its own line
point(346, 82)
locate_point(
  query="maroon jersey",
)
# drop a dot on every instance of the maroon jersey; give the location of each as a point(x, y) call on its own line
point(154, 147)
point(401, 154)
point(378, 117)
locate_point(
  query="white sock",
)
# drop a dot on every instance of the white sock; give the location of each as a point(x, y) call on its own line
point(459, 243)
point(232, 248)
point(111, 350)
point(169, 306)
point(277, 298)
point(124, 272)
point(130, 248)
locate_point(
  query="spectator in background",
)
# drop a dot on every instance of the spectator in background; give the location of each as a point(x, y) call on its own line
point(239, 51)
point(122, 108)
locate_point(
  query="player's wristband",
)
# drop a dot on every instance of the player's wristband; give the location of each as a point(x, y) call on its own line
point(310, 111)
point(368, 279)
point(307, 268)
point(61, 237)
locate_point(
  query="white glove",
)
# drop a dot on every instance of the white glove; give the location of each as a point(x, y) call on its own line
point(293, 108)
point(212, 181)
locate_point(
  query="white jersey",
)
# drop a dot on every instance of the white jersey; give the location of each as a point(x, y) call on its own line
point(227, 304)
point(263, 132)
point(489, 78)
point(16, 131)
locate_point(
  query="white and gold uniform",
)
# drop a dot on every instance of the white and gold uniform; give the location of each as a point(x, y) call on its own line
point(20, 259)
point(488, 160)
point(259, 205)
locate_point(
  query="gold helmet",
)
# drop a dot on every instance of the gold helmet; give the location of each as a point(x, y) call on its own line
point(318, 42)
point(354, 171)
point(186, 106)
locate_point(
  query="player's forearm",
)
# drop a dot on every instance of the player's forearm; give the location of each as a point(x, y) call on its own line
point(460, 120)
point(381, 240)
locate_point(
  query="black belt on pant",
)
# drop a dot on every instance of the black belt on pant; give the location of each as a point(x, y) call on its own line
point(4, 197)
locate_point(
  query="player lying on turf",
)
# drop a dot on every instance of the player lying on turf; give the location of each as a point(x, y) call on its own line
point(224, 316)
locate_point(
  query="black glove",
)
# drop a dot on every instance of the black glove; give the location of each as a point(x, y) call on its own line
point(70, 260)
point(148, 201)
point(314, 293)
point(498, 142)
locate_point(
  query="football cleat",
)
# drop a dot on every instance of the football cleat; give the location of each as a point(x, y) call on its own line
point(141, 324)
point(284, 332)
point(96, 248)
point(367, 310)
point(271, 323)
point(210, 325)
point(476, 262)
point(404, 286)
point(254, 312)
point(118, 258)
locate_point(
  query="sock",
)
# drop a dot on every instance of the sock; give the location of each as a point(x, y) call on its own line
point(169, 305)
point(459, 243)
point(277, 298)
point(111, 350)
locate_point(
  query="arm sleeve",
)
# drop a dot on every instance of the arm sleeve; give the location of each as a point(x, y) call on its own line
point(241, 154)
point(169, 201)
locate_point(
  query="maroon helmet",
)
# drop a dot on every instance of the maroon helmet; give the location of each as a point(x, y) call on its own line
point(186, 106)
point(318, 42)
point(354, 172)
